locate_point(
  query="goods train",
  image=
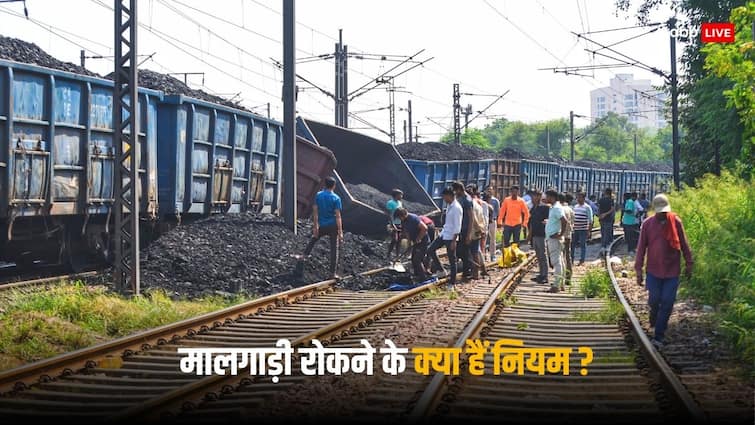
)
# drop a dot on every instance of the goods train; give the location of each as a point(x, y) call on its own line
point(198, 158)
point(501, 174)
point(57, 161)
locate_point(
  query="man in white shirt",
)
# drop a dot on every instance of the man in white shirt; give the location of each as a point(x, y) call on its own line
point(448, 236)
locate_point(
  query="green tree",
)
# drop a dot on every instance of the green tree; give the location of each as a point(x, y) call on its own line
point(711, 129)
point(470, 137)
point(736, 62)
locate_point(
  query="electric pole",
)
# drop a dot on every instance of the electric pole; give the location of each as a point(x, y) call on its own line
point(547, 140)
point(404, 131)
point(83, 58)
point(409, 111)
point(126, 179)
point(457, 115)
point(416, 134)
point(571, 135)
point(635, 148)
point(674, 109)
point(467, 113)
point(342, 89)
point(391, 105)
point(289, 114)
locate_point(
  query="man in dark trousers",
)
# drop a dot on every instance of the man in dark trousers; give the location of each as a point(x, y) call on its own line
point(326, 217)
point(415, 231)
point(448, 235)
point(662, 238)
point(606, 216)
point(536, 234)
point(465, 237)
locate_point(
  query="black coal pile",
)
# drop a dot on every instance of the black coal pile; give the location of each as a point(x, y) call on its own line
point(169, 85)
point(373, 197)
point(513, 153)
point(251, 253)
point(25, 52)
point(434, 151)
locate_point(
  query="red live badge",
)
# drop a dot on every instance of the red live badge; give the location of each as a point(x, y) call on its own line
point(717, 32)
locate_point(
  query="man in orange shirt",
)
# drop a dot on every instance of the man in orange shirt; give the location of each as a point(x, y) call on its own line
point(514, 214)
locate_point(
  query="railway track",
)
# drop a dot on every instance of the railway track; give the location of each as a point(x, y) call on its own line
point(139, 376)
point(44, 281)
point(628, 380)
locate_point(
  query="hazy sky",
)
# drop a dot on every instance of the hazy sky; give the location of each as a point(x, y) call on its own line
point(486, 46)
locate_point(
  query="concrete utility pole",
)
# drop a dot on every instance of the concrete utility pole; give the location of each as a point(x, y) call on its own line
point(126, 140)
point(571, 135)
point(676, 153)
point(289, 114)
point(467, 113)
point(409, 111)
point(547, 140)
point(457, 114)
point(635, 148)
point(404, 131)
point(341, 57)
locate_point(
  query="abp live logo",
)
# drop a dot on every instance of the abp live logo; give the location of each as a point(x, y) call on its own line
point(717, 32)
point(710, 32)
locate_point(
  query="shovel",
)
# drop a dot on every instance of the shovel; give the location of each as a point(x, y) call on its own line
point(398, 265)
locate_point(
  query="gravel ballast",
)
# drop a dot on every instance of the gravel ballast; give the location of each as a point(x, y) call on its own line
point(256, 254)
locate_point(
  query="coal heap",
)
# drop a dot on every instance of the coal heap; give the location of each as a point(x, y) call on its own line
point(434, 151)
point(169, 85)
point(25, 52)
point(374, 197)
point(250, 253)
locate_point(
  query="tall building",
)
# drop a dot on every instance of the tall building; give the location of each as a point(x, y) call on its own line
point(638, 100)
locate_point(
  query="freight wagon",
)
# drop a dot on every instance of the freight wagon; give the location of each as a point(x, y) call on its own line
point(436, 175)
point(57, 159)
point(213, 158)
point(531, 174)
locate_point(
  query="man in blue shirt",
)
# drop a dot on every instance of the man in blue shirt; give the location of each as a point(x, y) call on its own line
point(326, 216)
point(394, 224)
point(629, 223)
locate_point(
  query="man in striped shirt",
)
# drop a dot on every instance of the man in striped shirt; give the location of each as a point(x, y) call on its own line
point(582, 227)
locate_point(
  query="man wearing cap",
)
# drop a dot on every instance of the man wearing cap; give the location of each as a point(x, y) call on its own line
point(326, 218)
point(662, 238)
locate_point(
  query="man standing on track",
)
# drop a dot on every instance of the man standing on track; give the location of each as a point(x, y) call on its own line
point(415, 231)
point(582, 228)
point(536, 234)
point(566, 200)
point(513, 215)
point(606, 215)
point(326, 216)
point(495, 208)
point(448, 235)
point(629, 223)
point(465, 237)
point(662, 238)
point(554, 234)
point(394, 224)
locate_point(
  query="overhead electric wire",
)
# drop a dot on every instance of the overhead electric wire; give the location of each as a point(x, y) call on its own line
point(167, 40)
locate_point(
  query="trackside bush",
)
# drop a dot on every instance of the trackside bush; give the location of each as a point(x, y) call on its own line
point(719, 218)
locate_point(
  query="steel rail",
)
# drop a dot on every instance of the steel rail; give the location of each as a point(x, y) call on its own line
point(208, 387)
point(44, 280)
point(44, 370)
point(430, 397)
point(667, 377)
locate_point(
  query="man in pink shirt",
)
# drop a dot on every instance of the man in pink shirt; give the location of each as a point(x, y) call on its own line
point(662, 238)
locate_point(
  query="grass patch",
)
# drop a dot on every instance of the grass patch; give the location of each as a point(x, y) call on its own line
point(437, 293)
point(612, 312)
point(596, 283)
point(41, 324)
point(719, 221)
